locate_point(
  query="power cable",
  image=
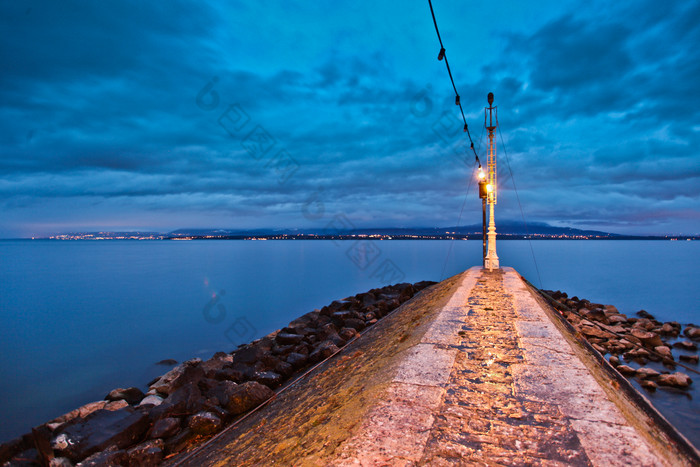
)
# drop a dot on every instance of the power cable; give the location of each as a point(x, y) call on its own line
point(443, 55)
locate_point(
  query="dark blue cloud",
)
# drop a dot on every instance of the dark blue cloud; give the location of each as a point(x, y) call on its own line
point(101, 125)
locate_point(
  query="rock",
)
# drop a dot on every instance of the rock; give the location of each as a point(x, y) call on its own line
point(422, 285)
point(664, 351)
point(147, 454)
point(151, 400)
point(131, 395)
point(637, 354)
point(268, 378)
point(116, 405)
point(644, 324)
point(165, 428)
point(594, 315)
point(83, 437)
point(688, 358)
point(677, 380)
point(297, 360)
point(204, 423)
point(348, 333)
point(185, 399)
point(354, 323)
point(323, 350)
point(626, 370)
point(650, 339)
point(611, 310)
point(692, 332)
point(645, 314)
point(80, 412)
point(243, 397)
point(592, 331)
point(617, 319)
point(167, 361)
point(668, 330)
point(109, 457)
point(649, 384)
point(685, 345)
point(60, 462)
point(614, 361)
point(189, 371)
point(647, 373)
point(288, 339)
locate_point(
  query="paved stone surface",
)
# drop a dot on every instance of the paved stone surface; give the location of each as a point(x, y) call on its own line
point(493, 382)
point(472, 372)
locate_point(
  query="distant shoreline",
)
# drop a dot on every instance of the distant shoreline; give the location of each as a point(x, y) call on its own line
point(91, 237)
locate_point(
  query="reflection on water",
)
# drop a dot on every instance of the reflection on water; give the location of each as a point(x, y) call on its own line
point(81, 318)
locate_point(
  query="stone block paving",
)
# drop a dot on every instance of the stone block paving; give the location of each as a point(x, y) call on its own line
point(482, 421)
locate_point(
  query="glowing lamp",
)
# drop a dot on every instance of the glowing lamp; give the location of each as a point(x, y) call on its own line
point(489, 188)
point(482, 174)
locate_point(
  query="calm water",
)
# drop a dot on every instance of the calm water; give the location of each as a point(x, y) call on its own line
point(81, 318)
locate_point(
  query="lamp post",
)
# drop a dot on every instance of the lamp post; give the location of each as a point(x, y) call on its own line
point(483, 194)
point(491, 261)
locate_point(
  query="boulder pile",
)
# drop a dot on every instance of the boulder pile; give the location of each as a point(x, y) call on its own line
point(641, 339)
point(197, 399)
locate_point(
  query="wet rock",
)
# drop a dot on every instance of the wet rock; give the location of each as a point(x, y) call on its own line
point(626, 370)
point(268, 378)
point(297, 360)
point(167, 362)
point(348, 333)
point(617, 319)
point(650, 339)
point(99, 430)
point(685, 345)
point(184, 400)
point(354, 323)
point(288, 339)
point(647, 373)
point(147, 454)
point(80, 412)
point(592, 331)
point(614, 361)
point(204, 423)
point(151, 400)
point(229, 374)
point(692, 332)
point(688, 358)
point(664, 351)
point(109, 457)
point(644, 324)
point(594, 315)
point(668, 330)
point(165, 428)
point(645, 314)
point(677, 380)
point(243, 397)
point(324, 350)
point(131, 395)
point(60, 462)
point(189, 371)
point(649, 384)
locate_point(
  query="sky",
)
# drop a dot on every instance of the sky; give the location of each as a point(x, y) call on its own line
point(155, 116)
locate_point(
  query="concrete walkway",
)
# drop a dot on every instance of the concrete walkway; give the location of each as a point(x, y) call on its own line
point(471, 372)
point(493, 381)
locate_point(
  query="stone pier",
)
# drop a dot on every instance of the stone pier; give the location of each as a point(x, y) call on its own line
point(476, 370)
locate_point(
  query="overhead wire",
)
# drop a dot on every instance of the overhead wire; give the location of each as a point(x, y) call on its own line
point(443, 56)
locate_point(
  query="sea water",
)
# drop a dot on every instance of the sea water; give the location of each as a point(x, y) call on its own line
point(80, 318)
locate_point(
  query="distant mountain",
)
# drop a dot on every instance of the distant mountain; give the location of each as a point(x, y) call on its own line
point(504, 227)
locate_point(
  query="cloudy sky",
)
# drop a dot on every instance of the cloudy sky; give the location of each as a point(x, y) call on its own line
point(164, 115)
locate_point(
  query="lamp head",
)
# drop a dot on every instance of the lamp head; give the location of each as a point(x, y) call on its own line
point(490, 98)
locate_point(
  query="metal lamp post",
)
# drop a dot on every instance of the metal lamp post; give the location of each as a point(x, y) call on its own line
point(491, 261)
